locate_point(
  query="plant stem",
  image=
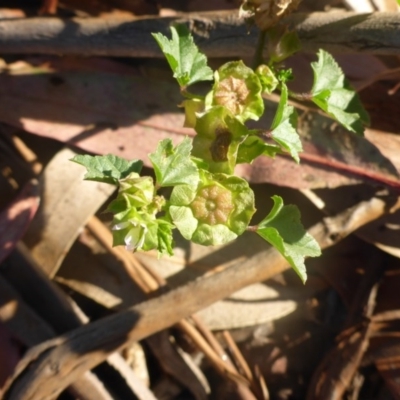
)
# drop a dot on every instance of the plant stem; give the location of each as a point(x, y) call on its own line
point(189, 95)
point(301, 96)
point(258, 55)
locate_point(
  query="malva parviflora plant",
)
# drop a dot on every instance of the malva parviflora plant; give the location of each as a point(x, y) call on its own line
point(209, 204)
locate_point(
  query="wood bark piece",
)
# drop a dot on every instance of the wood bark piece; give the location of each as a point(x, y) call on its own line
point(20, 318)
point(53, 365)
point(135, 384)
point(31, 330)
point(219, 34)
point(68, 202)
point(51, 304)
point(173, 363)
point(15, 219)
point(48, 300)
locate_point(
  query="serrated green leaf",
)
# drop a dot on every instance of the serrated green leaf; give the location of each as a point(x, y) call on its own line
point(187, 63)
point(108, 168)
point(165, 238)
point(173, 166)
point(327, 73)
point(331, 92)
point(284, 127)
point(283, 230)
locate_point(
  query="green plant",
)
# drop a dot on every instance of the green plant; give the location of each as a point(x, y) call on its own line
point(208, 204)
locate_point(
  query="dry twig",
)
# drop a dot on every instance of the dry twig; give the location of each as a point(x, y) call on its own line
point(219, 34)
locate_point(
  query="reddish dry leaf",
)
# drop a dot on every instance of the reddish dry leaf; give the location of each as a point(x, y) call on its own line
point(15, 219)
point(100, 112)
point(126, 113)
point(9, 354)
point(382, 106)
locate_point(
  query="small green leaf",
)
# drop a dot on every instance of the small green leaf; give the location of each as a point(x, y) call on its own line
point(173, 166)
point(184, 220)
point(268, 79)
point(284, 127)
point(283, 230)
point(165, 238)
point(282, 44)
point(108, 168)
point(285, 75)
point(254, 147)
point(187, 63)
point(332, 93)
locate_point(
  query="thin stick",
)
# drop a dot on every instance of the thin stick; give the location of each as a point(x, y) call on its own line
point(225, 368)
point(237, 355)
point(210, 337)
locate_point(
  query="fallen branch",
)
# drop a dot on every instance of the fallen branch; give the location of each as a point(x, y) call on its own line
point(219, 34)
point(51, 366)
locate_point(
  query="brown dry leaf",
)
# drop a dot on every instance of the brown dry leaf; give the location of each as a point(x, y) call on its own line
point(101, 112)
point(15, 219)
point(67, 203)
point(268, 13)
point(382, 106)
point(9, 354)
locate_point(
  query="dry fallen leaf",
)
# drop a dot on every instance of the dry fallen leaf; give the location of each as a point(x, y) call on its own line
point(268, 13)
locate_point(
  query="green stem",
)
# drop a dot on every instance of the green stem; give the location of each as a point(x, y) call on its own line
point(265, 133)
point(189, 95)
point(258, 55)
point(252, 228)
